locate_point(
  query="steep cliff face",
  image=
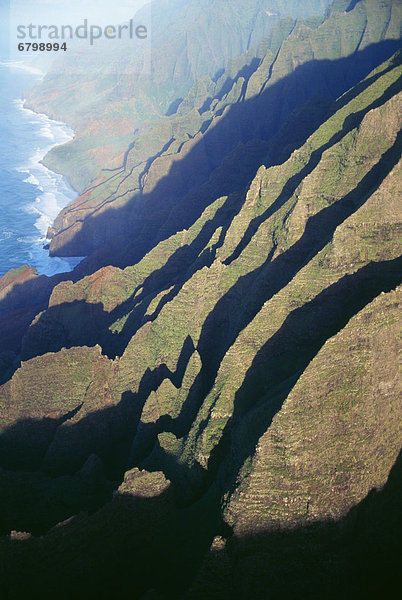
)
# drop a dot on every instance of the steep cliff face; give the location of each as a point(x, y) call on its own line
point(236, 388)
point(109, 111)
point(345, 404)
point(168, 172)
point(316, 501)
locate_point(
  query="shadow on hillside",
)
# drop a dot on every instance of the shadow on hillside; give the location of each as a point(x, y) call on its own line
point(251, 291)
point(81, 323)
point(222, 162)
point(179, 197)
point(60, 450)
point(284, 357)
point(354, 558)
point(30, 445)
point(136, 544)
point(128, 545)
point(352, 5)
point(116, 435)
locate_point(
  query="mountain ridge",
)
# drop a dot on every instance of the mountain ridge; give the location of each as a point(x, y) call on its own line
point(164, 416)
point(68, 238)
point(217, 415)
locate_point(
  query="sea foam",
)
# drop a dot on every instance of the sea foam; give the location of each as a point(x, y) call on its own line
point(53, 192)
point(16, 64)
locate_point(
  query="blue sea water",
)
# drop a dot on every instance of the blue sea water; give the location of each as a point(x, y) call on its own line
point(31, 195)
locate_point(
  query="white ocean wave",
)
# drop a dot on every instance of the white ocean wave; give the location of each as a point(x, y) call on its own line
point(32, 180)
point(65, 129)
point(52, 190)
point(46, 131)
point(43, 224)
point(53, 193)
point(19, 103)
point(46, 206)
point(17, 64)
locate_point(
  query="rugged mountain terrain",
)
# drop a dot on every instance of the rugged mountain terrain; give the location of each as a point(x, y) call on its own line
point(216, 413)
point(299, 62)
point(111, 108)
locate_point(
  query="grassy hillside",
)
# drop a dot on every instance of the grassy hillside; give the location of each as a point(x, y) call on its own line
point(220, 418)
point(109, 108)
point(224, 131)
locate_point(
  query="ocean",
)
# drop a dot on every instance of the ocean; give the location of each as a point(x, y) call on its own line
point(31, 195)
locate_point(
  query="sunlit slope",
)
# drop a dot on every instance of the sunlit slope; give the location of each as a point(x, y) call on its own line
point(173, 171)
point(111, 95)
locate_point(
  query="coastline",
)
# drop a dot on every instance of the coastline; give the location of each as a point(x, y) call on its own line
point(52, 191)
point(69, 132)
point(58, 134)
point(67, 126)
point(63, 174)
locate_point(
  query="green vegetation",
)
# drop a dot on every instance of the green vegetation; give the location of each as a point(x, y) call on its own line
point(233, 378)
